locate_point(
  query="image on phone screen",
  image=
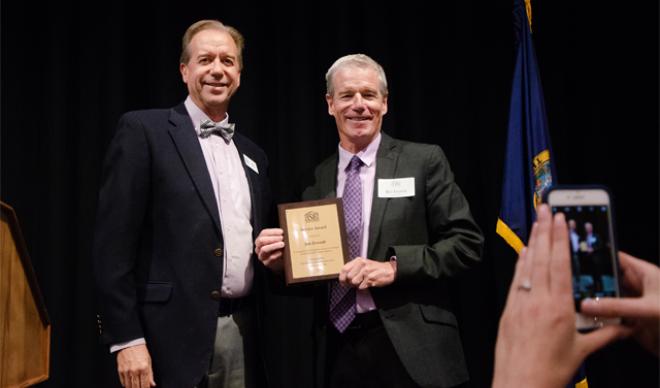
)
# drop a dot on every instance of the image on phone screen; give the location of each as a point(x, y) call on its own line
point(592, 261)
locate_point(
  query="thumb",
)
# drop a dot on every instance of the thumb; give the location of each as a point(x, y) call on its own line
point(590, 342)
point(613, 307)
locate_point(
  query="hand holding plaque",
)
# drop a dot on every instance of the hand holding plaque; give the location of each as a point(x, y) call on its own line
point(315, 240)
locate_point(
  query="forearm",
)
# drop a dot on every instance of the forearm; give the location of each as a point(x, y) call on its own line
point(419, 263)
point(454, 251)
point(452, 240)
point(120, 223)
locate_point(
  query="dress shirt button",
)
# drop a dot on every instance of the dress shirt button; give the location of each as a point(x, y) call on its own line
point(215, 295)
point(217, 252)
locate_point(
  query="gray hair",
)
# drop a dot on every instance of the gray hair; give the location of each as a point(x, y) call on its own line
point(356, 60)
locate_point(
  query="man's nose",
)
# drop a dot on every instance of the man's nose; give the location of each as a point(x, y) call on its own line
point(358, 102)
point(216, 67)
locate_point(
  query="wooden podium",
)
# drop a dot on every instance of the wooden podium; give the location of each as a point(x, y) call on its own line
point(24, 323)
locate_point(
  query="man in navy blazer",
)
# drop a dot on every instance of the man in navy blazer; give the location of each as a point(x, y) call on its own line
point(416, 232)
point(182, 197)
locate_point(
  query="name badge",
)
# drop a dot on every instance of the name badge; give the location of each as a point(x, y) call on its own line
point(250, 163)
point(396, 188)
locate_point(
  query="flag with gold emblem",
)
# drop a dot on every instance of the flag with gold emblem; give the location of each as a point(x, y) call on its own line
point(529, 169)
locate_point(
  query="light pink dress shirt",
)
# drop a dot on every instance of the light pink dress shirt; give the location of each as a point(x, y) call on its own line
point(364, 300)
point(232, 195)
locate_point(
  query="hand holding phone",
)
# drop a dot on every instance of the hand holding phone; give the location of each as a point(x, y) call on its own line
point(594, 261)
point(641, 308)
point(537, 326)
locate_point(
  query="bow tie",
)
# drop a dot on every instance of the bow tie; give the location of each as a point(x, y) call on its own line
point(208, 128)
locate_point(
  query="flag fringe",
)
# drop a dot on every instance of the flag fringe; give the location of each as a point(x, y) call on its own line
point(509, 236)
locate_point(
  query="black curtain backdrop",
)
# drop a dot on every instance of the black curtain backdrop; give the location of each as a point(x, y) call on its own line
point(69, 69)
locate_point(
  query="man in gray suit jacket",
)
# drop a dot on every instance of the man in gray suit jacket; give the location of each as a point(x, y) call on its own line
point(414, 231)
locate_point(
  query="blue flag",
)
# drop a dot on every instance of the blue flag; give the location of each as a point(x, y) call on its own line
point(528, 170)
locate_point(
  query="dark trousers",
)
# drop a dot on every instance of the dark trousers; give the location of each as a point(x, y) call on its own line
point(363, 356)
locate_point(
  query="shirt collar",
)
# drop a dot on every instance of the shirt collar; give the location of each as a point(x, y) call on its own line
point(198, 116)
point(367, 155)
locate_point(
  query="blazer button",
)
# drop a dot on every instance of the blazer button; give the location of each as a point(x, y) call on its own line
point(217, 252)
point(215, 295)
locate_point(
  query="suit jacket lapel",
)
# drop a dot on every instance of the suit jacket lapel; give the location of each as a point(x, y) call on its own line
point(386, 161)
point(185, 138)
point(327, 179)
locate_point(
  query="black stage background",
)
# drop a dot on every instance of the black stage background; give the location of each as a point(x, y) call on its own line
point(69, 69)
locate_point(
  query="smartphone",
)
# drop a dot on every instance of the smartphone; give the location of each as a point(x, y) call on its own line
point(594, 259)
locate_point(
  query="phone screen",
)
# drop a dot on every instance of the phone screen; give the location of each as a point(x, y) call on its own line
point(592, 254)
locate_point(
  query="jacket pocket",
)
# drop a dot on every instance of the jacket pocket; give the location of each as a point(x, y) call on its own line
point(154, 292)
point(436, 314)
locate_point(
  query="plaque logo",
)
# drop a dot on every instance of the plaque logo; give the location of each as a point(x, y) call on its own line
point(312, 216)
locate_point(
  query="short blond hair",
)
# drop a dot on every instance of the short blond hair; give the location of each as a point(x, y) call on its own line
point(211, 25)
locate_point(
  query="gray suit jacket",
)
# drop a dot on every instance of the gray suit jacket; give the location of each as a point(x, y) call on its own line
point(434, 237)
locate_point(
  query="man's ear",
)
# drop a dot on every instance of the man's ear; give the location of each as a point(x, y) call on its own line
point(184, 72)
point(331, 109)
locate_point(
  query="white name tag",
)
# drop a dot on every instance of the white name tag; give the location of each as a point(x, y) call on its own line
point(396, 188)
point(250, 163)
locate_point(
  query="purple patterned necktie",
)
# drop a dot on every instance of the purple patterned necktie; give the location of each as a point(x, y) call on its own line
point(342, 299)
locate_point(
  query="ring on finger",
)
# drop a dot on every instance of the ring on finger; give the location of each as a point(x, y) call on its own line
point(525, 285)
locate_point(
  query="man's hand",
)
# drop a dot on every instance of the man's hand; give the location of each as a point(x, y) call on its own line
point(269, 246)
point(134, 367)
point(364, 273)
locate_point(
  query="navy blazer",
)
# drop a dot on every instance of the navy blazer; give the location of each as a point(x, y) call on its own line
point(158, 241)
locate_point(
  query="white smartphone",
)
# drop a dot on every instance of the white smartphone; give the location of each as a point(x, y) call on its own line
point(594, 259)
